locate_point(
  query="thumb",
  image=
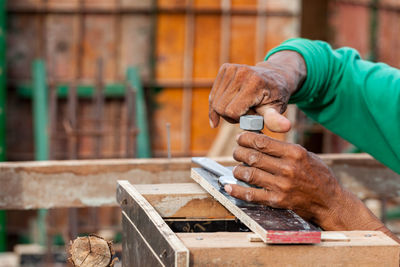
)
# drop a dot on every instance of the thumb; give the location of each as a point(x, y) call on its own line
point(273, 120)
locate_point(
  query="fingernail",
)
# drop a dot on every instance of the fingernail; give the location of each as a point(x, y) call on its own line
point(211, 123)
point(270, 110)
point(233, 170)
point(228, 188)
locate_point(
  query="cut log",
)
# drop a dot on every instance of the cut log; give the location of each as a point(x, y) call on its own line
point(91, 251)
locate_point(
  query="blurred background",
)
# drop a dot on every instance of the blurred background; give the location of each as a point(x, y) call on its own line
point(86, 79)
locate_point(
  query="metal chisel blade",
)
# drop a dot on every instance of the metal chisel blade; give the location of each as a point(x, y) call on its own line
point(225, 175)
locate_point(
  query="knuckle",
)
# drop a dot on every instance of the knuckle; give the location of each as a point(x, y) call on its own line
point(220, 109)
point(224, 66)
point(280, 200)
point(285, 187)
point(276, 200)
point(261, 141)
point(231, 112)
point(254, 158)
point(250, 175)
point(241, 73)
point(287, 171)
point(249, 195)
point(298, 152)
point(257, 80)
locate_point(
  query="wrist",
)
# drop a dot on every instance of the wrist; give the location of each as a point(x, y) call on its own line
point(347, 213)
point(294, 65)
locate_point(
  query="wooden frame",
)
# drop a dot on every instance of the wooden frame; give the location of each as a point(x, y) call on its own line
point(364, 248)
point(91, 183)
point(144, 226)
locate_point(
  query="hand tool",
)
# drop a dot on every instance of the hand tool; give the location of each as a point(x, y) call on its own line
point(225, 175)
point(253, 123)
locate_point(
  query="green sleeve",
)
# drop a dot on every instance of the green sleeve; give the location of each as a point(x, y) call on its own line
point(354, 98)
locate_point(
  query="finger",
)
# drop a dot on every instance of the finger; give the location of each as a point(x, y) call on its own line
point(249, 194)
point(256, 177)
point(212, 114)
point(226, 90)
point(273, 120)
point(258, 159)
point(245, 99)
point(264, 144)
point(213, 117)
point(238, 80)
point(217, 82)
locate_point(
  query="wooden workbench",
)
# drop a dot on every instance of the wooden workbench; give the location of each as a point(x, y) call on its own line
point(149, 241)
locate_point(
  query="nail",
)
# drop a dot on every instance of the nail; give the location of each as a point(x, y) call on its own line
point(211, 123)
point(228, 188)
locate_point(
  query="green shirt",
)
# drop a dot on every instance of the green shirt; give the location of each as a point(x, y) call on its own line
point(354, 98)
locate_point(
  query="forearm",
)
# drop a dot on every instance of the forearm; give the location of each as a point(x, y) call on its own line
point(349, 213)
point(292, 62)
point(341, 91)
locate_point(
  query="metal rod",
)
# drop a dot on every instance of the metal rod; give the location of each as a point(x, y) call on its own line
point(53, 105)
point(72, 123)
point(117, 41)
point(81, 34)
point(98, 107)
point(168, 126)
point(130, 116)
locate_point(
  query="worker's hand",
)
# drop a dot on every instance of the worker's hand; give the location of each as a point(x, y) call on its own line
point(264, 89)
point(293, 178)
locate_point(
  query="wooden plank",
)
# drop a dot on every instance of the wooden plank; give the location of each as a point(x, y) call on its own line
point(365, 248)
point(184, 200)
point(272, 225)
point(135, 249)
point(71, 183)
point(153, 229)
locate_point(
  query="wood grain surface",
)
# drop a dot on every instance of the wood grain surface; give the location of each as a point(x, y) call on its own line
point(272, 225)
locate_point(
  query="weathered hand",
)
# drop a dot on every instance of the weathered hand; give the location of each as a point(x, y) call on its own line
point(264, 89)
point(293, 178)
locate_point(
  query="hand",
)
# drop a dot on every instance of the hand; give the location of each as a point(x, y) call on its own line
point(264, 89)
point(293, 178)
point(290, 177)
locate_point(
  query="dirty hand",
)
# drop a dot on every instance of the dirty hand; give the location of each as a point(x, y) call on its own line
point(264, 89)
point(290, 177)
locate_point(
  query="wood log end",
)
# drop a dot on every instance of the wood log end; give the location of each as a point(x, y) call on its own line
point(91, 250)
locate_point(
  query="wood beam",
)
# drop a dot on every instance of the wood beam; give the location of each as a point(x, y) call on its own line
point(83, 183)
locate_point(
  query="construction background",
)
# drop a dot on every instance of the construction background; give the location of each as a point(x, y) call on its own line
point(85, 79)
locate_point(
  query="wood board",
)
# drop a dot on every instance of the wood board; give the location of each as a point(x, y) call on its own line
point(276, 226)
point(141, 219)
point(365, 248)
point(83, 183)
